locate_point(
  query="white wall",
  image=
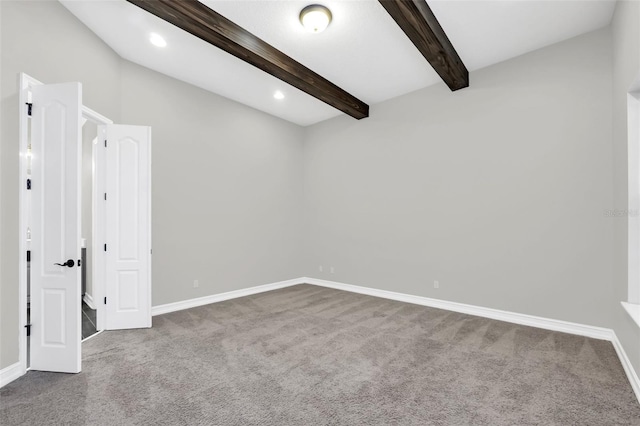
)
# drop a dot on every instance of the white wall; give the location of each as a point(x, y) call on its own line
point(498, 191)
point(626, 69)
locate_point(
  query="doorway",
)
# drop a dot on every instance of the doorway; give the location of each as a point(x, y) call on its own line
point(67, 170)
point(88, 305)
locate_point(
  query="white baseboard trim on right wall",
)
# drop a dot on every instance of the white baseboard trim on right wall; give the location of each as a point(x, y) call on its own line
point(512, 317)
point(628, 367)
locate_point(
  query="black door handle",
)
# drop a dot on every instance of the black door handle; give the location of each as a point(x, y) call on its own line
point(69, 263)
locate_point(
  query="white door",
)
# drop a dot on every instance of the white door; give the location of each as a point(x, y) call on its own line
point(55, 228)
point(128, 226)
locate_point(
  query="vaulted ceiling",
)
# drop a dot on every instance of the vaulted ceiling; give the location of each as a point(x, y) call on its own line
point(363, 51)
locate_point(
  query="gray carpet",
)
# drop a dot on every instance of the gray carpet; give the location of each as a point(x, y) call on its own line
point(308, 355)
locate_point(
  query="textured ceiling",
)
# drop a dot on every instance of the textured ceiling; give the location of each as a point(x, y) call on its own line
point(363, 50)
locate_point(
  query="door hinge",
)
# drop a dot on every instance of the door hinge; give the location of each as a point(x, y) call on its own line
point(29, 108)
point(28, 327)
point(105, 300)
point(105, 196)
point(28, 255)
point(105, 247)
point(28, 184)
point(105, 143)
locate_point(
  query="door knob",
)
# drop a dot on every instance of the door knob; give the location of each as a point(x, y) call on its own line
point(69, 263)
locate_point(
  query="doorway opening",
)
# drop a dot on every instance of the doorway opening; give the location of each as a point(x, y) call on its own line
point(89, 121)
point(66, 274)
point(88, 169)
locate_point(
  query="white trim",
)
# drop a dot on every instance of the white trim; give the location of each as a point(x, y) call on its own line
point(200, 301)
point(633, 309)
point(26, 82)
point(633, 221)
point(98, 285)
point(89, 301)
point(10, 373)
point(95, 117)
point(98, 168)
point(513, 317)
point(93, 335)
point(627, 366)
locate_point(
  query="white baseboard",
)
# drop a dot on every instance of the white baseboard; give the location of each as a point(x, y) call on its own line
point(628, 367)
point(97, 333)
point(10, 373)
point(200, 301)
point(522, 319)
point(89, 301)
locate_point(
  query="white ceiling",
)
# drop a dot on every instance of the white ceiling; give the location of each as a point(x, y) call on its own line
point(363, 50)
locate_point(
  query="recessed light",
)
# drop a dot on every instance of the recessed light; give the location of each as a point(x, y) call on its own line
point(157, 40)
point(315, 18)
point(278, 95)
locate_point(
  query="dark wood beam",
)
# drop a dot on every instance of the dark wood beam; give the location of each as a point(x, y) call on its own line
point(421, 26)
point(203, 22)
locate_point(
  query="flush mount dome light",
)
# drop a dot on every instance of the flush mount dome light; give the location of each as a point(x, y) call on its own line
point(157, 40)
point(278, 95)
point(315, 18)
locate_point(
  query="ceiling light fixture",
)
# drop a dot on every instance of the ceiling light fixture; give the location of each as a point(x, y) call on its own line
point(278, 95)
point(157, 40)
point(315, 18)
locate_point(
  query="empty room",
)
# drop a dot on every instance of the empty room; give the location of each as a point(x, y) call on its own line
point(336, 212)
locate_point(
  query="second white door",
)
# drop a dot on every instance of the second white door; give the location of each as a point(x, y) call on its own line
point(128, 226)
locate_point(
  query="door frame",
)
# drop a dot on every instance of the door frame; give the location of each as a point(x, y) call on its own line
point(26, 82)
point(98, 224)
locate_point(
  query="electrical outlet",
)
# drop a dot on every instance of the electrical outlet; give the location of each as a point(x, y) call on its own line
point(436, 284)
point(332, 270)
point(196, 283)
point(320, 268)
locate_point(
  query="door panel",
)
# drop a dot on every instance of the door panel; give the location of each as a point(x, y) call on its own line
point(55, 230)
point(128, 227)
point(127, 291)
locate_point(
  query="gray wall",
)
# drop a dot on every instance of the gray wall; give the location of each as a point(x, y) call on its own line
point(56, 48)
point(226, 178)
point(226, 188)
point(626, 68)
point(497, 191)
